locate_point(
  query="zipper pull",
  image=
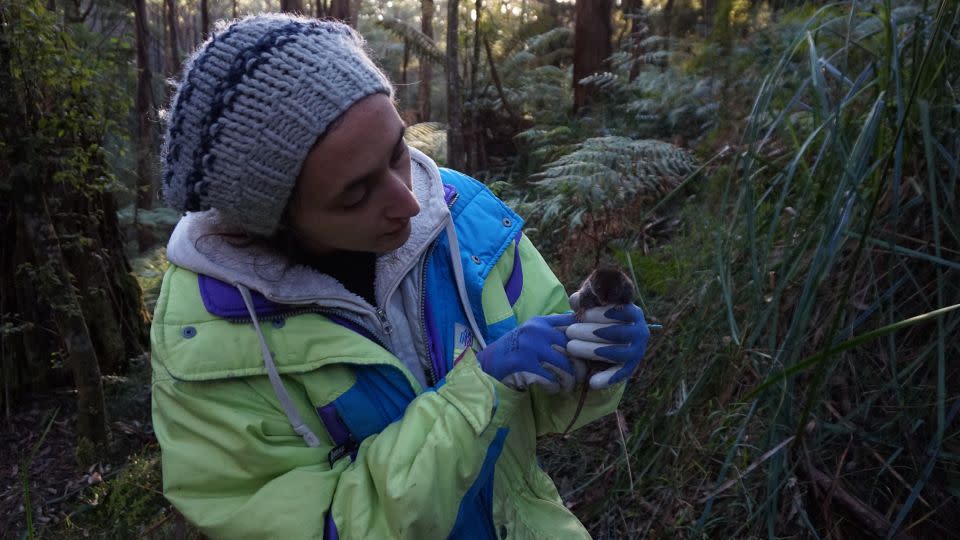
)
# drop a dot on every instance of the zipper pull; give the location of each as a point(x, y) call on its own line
point(382, 315)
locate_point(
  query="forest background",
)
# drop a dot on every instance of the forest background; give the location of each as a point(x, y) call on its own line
point(779, 177)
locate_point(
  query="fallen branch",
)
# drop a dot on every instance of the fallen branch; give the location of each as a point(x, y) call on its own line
point(874, 521)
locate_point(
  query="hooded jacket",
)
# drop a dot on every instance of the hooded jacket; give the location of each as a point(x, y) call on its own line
point(288, 407)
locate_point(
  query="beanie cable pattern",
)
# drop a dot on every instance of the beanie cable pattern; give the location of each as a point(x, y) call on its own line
point(252, 102)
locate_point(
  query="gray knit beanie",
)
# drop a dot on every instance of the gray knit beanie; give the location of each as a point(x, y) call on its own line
point(252, 101)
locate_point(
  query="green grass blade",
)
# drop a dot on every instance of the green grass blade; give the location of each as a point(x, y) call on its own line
point(25, 475)
point(934, 451)
point(856, 341)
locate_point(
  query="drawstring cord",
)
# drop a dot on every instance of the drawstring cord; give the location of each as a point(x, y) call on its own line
point(309, 437)
point(289, 408)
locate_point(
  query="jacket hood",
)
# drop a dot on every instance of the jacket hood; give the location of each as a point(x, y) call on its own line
point(207, 244)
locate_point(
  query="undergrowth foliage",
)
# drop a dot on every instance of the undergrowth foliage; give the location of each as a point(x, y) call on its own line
point(811, 392)
point(603, 175)
point(803, 385)
point(845, 220)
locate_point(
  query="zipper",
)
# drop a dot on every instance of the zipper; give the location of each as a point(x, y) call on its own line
point(384, 323)
point(432, 373)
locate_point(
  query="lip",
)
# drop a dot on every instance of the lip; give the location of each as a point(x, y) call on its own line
point(399, 229)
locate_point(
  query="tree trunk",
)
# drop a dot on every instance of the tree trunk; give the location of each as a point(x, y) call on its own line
point(174, 49)
point(340, 10)
point(204, 20)
point(403, 68)
point(667, 15)
point(454, 92)
point(355, 6)
point(145, 187)
point(59, 235)
point(499, 86)
point(551, 10)
point(235, 8)
point(638, 30)
point(426, 68)
point(473, 141)
point(68, 315)
point(591, 46)
point(290, 6)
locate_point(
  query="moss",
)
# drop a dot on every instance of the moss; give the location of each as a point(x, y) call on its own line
point(85, 453)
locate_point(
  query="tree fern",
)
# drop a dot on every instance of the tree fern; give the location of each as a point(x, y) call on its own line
point(604, 174)
point(420, 45)
point(430, 138)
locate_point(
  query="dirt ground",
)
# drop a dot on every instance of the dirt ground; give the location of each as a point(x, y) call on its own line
point(60, 475)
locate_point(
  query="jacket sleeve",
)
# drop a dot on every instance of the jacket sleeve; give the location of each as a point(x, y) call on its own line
point(234, 467)
point(540, 293)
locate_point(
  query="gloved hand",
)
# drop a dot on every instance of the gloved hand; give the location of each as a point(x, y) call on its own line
point(532, 353)
point(610, 334)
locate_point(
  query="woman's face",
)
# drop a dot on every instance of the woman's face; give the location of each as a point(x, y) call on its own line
point(354, 190)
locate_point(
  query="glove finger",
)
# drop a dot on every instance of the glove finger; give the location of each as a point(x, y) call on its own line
point(566, 381)
point(617, 354)
point(549, 335)
point(621, 333)
point(553, 358)
point(588, 332)
point(602, 379)
point(587, 350)
point(628, 313)
point(598, 315)
point(624, 372)
point(524, 379)
point(560, 319)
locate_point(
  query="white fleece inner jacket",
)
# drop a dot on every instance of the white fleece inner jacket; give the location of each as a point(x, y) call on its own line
point(201, 243)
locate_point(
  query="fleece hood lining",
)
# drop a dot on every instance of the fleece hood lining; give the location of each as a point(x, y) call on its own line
point(206, 243)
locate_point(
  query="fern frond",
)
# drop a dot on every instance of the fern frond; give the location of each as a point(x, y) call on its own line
point(605, 80)
point(605, 173)
point(556, 38)
point(428, 137)
point(420, 45)
point(656, 58)
point(550, 47)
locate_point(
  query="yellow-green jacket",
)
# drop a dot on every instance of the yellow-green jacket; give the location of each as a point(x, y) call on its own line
point(287, 407)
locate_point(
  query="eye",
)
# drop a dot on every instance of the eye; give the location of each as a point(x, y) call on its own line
point(354, 198)
point(398, 152)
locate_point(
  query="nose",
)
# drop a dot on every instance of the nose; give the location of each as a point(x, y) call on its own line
point(403, 203)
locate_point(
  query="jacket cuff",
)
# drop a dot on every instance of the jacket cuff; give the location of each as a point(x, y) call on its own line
point(482, 400)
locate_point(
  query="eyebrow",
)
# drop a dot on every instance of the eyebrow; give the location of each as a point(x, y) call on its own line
point(356, 182)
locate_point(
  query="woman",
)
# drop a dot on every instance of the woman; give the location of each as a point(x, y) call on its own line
point(350, 342)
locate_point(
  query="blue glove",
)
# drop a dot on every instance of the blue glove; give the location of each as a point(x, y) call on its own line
point(614, 335)
point(532, 353)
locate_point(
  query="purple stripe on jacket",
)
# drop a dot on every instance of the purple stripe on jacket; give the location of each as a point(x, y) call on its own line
point(223, 300)
point(515, 282)
point(334, 426)
point(330, 528)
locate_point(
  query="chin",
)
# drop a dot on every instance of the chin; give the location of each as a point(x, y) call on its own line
point(394, 241)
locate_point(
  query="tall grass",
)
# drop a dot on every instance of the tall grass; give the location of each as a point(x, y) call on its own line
point(864, 173)
point(805, 384)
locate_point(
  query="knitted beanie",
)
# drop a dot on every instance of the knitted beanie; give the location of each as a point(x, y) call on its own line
point(251, 104)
